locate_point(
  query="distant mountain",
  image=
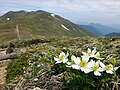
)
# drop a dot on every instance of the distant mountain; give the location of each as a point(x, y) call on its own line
point(91, 29)
point(104, 29)
point(99, 29)
point(116, 26)
point(113, 34)
point(37, 24)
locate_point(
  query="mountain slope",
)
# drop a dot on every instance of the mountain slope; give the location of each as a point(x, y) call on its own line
point(104, 29)
point(113, 34)
point(91, 29)
point(37, 24)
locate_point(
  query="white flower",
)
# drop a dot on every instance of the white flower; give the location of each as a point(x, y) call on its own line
point(97, 56)
point(36, 79)
point(24, 72)
point(62, 58)
point(23, 67)
point(89, 52)
point(74, 62)
point(38, 65)
point(109, 68)
point(97, 69)
point(92, 53)
point(84, 65)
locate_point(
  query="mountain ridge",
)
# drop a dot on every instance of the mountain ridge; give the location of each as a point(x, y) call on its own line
point(104, 29)
point(99, 29)
point(37, 24)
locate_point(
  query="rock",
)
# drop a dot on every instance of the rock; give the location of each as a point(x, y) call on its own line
point(8, 56)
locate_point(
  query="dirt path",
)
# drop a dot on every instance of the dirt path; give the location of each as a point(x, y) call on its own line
point(17, 31)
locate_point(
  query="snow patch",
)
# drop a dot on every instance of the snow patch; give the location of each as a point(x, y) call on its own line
point(65, 27)
point(8, 19)
point(74, 29)
point(52, 15)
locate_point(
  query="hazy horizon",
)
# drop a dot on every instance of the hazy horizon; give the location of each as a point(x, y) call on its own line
point(105, 12)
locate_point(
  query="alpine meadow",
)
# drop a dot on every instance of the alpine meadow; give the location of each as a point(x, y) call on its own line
point(60, 45)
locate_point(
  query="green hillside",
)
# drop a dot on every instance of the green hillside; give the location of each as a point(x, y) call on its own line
point(37, 24)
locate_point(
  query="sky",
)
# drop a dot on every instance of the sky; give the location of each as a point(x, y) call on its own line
point(78, 11)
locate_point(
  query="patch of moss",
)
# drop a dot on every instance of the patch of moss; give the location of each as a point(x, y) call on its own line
point(16, 67)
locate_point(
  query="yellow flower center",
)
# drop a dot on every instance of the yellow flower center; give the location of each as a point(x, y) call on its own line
point(83, 63)
point(89, 53)
point(108, 67)
point(61, 57)
point(72, 62)
point(95, 68)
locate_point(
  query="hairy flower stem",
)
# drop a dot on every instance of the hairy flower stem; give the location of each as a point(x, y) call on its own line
point(116, 79)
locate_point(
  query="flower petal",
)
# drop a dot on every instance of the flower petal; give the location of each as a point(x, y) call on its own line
point(116, 68)
point(91, 64)
point(68, 66)
point(85, 70)
point(94, 50)
point(89, 50)
point(65, 60)
point(97, 73)
point(56, 59)
point(77, 61)
point(97, 54)
point(98, 62)
point(84, 53)
point(68, 63)
point(85, 57)
point(67, 55)
point(73, 57)
point(59, 61)
point(102, 65)
point(109, 71)
point(76, 67)
point(100, 69)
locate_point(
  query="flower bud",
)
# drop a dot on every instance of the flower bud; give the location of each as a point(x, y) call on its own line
point(112, 61)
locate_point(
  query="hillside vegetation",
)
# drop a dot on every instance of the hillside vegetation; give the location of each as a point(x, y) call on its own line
point(37, 24)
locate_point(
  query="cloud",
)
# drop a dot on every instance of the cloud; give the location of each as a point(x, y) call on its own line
point(75, 5)
point(80, 9)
